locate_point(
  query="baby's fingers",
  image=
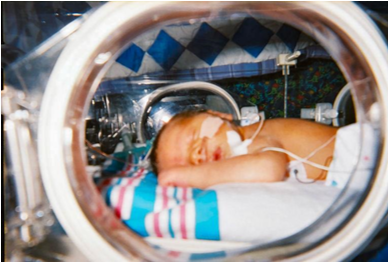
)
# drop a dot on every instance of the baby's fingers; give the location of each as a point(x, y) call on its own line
point(171, 178)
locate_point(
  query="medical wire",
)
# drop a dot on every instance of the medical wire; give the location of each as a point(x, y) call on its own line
point(261, 116)
point(300, 159)
point(312, 181)
point(144, 161)
point(309, 156)
point(319, 148)
point(281, 150)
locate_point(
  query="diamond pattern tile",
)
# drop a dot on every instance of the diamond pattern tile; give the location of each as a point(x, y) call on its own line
point(252, 36)
point(165, 50)
point(132, 57)
point(207, 43)
point(289, 35)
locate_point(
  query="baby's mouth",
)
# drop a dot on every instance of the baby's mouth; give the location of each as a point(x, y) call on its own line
point(217, 155)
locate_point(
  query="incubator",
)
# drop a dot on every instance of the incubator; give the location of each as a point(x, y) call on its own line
point(81, 112)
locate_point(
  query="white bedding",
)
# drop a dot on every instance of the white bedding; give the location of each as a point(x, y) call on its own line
point(266, 212)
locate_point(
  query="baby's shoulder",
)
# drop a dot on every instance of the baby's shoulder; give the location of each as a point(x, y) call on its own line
point(263, 141)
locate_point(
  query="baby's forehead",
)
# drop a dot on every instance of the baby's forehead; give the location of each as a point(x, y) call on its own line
point(174, 141)
point(204, 124)
point(193, 119)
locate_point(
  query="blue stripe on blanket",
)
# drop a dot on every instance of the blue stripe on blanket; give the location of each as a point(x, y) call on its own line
point(204, 256)
point(195, 192)
point(143, 203)
point(207, 216)
point(108, 194)
point(171, 232)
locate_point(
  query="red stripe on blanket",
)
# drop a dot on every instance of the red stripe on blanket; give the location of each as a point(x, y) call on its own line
point(165, 197)
point(174, 254)
point(157, 225)
point(156, 222)
point(122, 191)
point(183, 215)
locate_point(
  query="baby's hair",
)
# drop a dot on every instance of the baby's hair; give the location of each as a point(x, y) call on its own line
point(182, 115)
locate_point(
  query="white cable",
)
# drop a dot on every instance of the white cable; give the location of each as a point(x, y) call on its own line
point(261, 115)
point(319, 148)
point(147, 154)
point(144, 162)
point(303, 160)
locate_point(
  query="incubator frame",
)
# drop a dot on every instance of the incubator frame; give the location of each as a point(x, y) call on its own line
point(196, 85)
point(342, 28)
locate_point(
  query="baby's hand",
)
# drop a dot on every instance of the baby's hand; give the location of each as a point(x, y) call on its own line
point(172, 177)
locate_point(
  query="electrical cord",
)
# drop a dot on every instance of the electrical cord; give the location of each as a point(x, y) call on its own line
point(300, 159)
point(319, 148)
point(262, 118)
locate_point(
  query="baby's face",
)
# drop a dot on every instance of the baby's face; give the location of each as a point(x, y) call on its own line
point(193, 141)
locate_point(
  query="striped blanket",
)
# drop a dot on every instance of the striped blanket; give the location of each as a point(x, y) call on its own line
point(165, 212)
point(252, 212)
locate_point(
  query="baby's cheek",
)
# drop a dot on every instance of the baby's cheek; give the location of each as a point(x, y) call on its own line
point(226, 151)
point(217, 154)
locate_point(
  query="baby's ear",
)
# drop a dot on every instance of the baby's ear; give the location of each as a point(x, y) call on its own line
point(228, 117)
point(198, 152)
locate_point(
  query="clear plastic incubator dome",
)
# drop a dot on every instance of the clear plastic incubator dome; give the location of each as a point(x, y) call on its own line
point(83, 110)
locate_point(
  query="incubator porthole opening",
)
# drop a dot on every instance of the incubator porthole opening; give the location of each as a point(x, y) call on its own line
point(92, 128)
point(101, 52)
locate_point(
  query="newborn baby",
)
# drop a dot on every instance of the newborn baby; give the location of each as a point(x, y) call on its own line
point(202, 149)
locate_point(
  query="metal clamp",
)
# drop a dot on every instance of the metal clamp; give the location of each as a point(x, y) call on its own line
point(287, 60)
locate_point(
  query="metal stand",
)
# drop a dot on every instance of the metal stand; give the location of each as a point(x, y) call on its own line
point(285, 61)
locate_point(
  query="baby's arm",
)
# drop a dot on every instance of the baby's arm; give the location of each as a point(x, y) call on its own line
point(259, 167)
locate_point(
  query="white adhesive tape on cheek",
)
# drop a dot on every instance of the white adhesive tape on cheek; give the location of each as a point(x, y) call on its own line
point(210, 126)
point(237, 147)
point(233, 138)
